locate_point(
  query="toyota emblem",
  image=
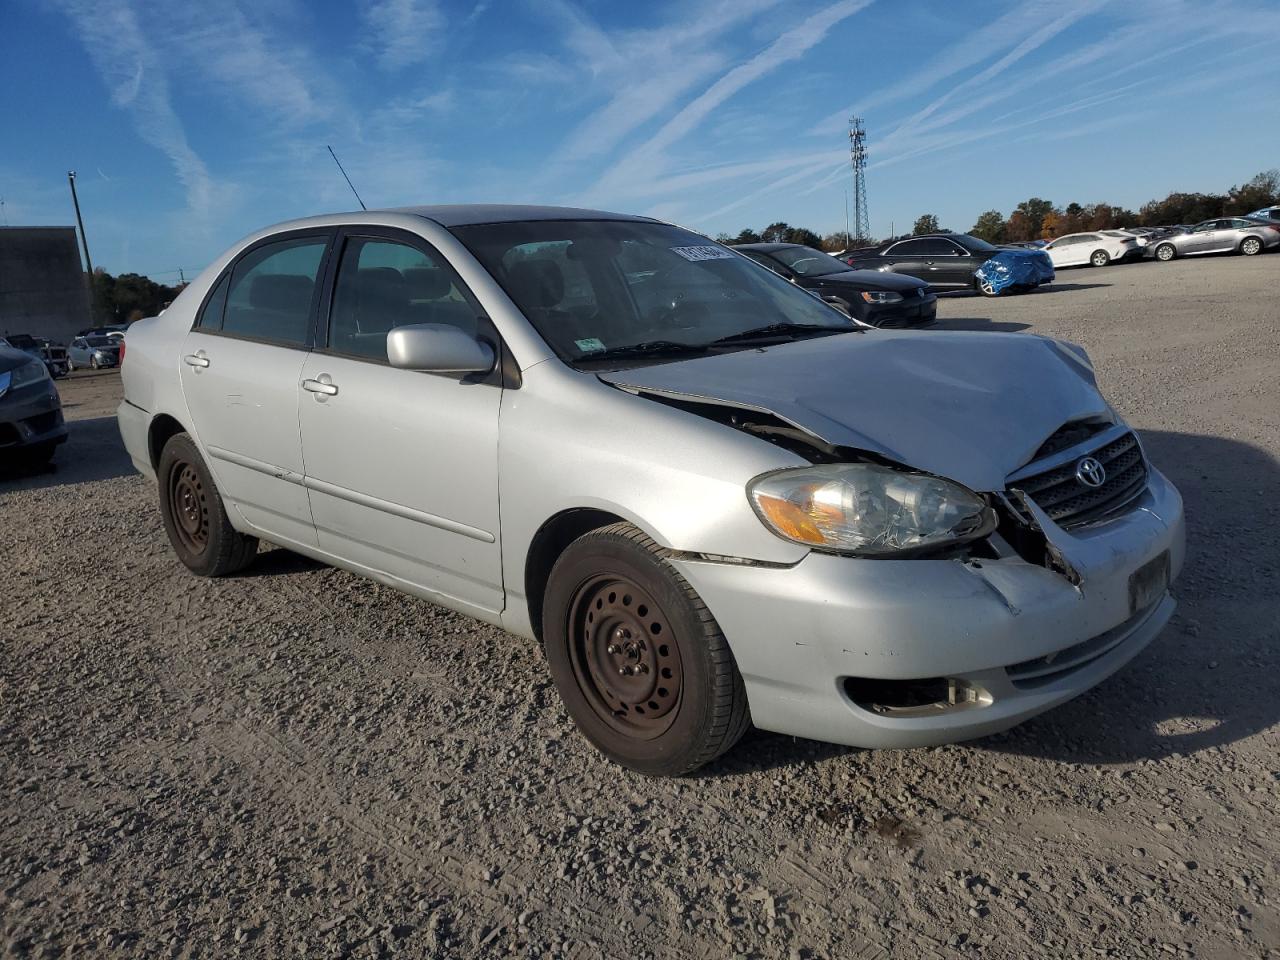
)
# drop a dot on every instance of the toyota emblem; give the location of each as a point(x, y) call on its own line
point(1090, 472)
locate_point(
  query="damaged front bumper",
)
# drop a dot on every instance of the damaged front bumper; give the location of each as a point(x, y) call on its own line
point(904, 653)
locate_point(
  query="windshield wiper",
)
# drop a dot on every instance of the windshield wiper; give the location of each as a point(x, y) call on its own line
point(780, 329)
point(645, 348)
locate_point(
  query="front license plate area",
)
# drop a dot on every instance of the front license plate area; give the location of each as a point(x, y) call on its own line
point(1148, 583)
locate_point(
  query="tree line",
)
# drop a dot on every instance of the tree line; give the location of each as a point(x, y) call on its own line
point(1037, 218)
point(128, 297)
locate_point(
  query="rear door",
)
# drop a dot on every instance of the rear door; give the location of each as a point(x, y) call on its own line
point(241, 364)
point(402, 465)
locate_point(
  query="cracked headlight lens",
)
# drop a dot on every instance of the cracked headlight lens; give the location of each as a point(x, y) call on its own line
point(868, 510)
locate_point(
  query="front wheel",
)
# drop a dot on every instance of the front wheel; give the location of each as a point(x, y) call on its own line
point(1100, 258)
point(986, 288)
point(195, 517)
point(640, 663)
point(94, 363)
point(1251, 246)
point(1166, 252)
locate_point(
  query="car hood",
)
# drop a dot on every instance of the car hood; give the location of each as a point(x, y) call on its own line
point(973, 407)
point(872, 280)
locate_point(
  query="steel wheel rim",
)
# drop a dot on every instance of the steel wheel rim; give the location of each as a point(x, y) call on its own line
point(987, 287)
point(625, 657)
point(1165, 253)
point(1099, 259)
point(1251, 246)
point(189, 507)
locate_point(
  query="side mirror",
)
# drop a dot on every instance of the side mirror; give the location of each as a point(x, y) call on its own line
point(437, 348)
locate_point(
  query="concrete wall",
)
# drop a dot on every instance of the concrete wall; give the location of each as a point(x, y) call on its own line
point(42, 283)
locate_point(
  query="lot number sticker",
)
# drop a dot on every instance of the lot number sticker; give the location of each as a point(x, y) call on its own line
point(704, 253)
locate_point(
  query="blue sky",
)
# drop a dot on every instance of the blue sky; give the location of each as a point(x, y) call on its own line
point(192, 124)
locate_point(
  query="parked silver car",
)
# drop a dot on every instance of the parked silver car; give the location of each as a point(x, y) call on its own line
point(712, 498)
point(94, 351)
point(1225, 235)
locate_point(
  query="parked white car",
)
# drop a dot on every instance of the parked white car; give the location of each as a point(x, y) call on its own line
point(711, 498)
point(1092, 249)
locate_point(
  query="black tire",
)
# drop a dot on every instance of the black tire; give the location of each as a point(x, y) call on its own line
point(1099, 258)
point(194, 516)
point(612, 596)
point(93, 362)
point(985, 288)
point(1251, 246)
point(1166, 252)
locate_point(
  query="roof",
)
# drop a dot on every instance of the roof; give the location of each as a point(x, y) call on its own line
point(466, 214)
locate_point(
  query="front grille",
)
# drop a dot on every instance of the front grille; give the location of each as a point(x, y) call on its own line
point(1068, 435)
point(1070, 503)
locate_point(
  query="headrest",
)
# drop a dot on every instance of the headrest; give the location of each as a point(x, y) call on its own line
point(537, 283)
point(281, 291)
point(427, 283)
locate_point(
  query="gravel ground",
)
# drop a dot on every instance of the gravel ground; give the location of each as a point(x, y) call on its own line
point(300, 762)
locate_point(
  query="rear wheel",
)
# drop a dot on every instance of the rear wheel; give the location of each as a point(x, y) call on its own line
point(93, 362)
point(1100, 258)
point(194, 516)
point(1166, 252)
point(639, 661)
point(1250, 246)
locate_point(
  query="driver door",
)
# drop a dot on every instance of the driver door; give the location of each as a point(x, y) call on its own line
point(402, 465)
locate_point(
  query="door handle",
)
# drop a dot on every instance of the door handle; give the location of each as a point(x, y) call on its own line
point(323, 386)
point(196, 360)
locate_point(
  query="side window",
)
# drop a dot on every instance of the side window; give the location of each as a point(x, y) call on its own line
point(938, 247)
point(762, 260)
point(271, 291)
point(382, 285)
point(211, 316)
point(908, 248)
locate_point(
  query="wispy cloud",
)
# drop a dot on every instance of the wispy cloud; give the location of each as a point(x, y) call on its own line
point(643, 71)
point(403, 32)
point(138, 84)
point(631, 174)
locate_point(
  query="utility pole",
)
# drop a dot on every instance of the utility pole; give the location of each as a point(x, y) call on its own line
point(848, 239)
point(858, 161)
point(84, 240)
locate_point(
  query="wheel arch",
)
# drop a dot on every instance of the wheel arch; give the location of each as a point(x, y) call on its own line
point(162, 428)
point(548, 543)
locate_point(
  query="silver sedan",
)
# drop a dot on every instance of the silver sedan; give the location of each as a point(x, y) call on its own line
point(705, 497)
point(1225, 235)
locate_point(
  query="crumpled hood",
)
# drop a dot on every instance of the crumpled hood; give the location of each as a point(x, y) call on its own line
point(970, 406)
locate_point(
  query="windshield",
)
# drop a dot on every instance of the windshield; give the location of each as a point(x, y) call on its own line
point(808, 262)
point(100, 341)
point(591, 287)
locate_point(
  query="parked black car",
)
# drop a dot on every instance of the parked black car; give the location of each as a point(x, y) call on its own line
point(878, 299)
point(31, 424)
point(945, 261)
point(53, 355)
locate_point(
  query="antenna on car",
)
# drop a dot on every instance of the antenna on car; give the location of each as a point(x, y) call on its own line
point(345, 177)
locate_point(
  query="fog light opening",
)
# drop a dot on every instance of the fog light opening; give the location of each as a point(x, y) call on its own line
point(915, 698)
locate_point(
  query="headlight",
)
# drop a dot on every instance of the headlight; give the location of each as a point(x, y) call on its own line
point(868, 510)
point(881, 296)
point(28, 373)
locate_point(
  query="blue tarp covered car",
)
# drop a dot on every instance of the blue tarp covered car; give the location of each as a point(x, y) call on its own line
point(1019, 270)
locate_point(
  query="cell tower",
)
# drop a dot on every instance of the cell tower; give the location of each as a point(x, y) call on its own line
point(858, 160)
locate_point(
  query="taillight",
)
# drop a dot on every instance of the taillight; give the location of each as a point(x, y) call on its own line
point(121, 360)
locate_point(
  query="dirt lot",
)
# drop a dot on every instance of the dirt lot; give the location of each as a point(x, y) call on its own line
point(299, 762)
